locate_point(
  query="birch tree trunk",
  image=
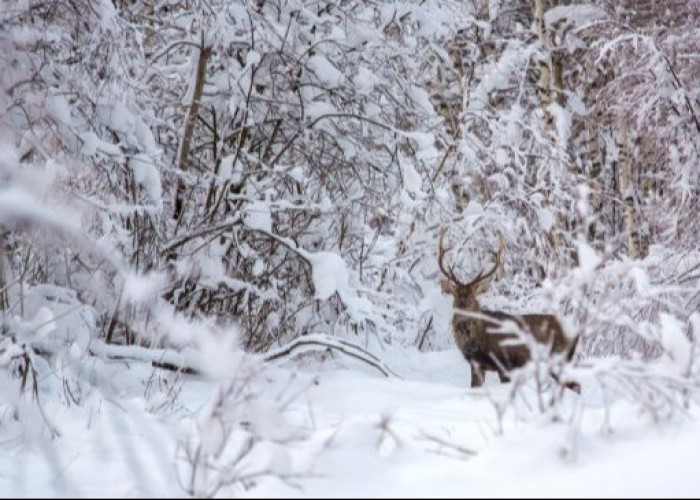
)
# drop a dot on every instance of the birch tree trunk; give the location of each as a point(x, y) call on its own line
point(564, 219)
point(557, 68)
point(543, 85)
point(627, 193)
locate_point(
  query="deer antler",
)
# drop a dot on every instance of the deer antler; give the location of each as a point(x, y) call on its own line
point(447, 271)
point(497, 257)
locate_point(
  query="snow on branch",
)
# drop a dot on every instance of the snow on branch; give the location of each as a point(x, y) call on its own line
point(161, 358)
point(320, 342)
point(330, 276)
point(187, 361)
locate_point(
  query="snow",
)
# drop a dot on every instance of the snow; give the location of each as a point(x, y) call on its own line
point(61, 109)
point(144, 354)
point(421, 98)
point(411, 179)
point(142, 288)
point(230, 172)
point(405, 460)
point(577, 15)
point(92, 145)
point(39, 327)
point(330, 274)
point(588, 259)
point(17, 203)
point(546, 218)
point(258, 216)
point(498, 74)
point(147, 176)
point(132, 128)
point(562, 123)
point(364, 80)
point(425, 145)
point(353, 433)
point(326, 72)
point(252, 58)
point(677, 348)
point(317, 109)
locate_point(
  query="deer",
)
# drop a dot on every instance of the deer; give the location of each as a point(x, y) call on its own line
point(479, 333)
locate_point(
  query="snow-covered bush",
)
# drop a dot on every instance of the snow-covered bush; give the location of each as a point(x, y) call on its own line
point(274, 175)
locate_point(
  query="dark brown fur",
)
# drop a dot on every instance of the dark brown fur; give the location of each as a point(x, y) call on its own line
point(483, 350)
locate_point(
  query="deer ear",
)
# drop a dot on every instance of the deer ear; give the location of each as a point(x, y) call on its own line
point(447, 286)
point(482, 287)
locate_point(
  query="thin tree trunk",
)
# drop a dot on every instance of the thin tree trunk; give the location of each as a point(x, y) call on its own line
point(564, 218)
point(649, 191)
point(183, 155)
point(596, 228)
point(557, 69)
point(543, 85)
point(627, 193)
point(5, 278)
point(558, 76)
point(445, 107)
point(149, 38)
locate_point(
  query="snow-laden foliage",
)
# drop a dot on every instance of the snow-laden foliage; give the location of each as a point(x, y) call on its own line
point(192, 184)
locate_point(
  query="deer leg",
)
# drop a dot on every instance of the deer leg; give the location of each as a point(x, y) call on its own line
point(500, 368)
point(572, 386)
point(503, 376)
point(477, 374)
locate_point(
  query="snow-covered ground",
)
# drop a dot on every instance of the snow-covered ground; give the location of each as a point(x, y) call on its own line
point(347, 431)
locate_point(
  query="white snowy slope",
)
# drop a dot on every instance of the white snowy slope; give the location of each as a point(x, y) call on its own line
point(351, 433)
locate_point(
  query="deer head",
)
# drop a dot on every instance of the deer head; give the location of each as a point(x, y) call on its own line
point(465, 294)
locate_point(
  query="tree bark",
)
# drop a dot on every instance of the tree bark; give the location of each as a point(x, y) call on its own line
point(5, 278)
point(543, 85)
point(183, 155)
point(596, 228)
point(627, 193)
